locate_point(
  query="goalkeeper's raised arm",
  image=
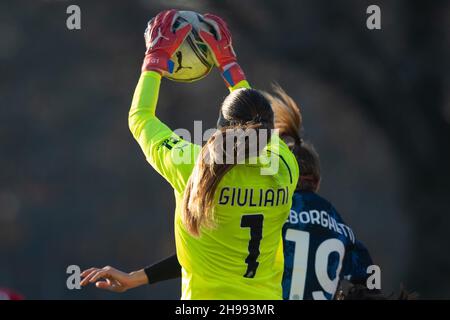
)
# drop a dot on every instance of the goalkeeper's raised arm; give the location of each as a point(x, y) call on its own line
point(154, 137)
point(223, 52)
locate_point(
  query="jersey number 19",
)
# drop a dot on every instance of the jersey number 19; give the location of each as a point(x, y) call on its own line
point(299, 272)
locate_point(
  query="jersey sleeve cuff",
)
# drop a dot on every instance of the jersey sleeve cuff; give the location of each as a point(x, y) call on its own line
point(152, 74)
point(241, 84)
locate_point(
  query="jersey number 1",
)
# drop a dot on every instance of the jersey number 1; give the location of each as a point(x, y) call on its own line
point(255, 223)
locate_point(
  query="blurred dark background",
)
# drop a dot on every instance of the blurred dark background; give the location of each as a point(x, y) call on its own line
point(76, 189)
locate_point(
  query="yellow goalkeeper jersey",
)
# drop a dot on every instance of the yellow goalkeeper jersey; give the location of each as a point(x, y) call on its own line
point(241, 258)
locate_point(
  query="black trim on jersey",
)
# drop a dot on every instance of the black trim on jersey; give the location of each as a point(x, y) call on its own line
point(287, 166)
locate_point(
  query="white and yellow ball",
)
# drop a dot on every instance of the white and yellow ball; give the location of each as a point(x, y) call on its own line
point(192, 60)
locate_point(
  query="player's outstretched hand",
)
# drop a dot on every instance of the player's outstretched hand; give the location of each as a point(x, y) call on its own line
point(161, 41)
point(221, 47)
point(111, 279)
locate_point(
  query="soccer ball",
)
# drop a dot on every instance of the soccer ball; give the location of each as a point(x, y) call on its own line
point(192, 60)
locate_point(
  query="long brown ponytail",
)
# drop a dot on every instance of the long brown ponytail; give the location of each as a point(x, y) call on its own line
point(242, 112)
point(288, 120)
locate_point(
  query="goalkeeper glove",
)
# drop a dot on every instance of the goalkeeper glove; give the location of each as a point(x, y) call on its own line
point(222, 49)
point(162, 42)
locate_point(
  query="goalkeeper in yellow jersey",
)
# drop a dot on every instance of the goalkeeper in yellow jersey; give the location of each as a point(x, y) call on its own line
point(229, 216)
